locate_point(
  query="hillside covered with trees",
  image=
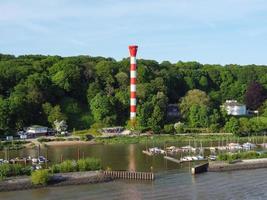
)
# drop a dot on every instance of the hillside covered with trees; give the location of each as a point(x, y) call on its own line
point(94, 91)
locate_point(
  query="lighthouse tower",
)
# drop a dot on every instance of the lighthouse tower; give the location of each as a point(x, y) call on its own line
point(133, 52)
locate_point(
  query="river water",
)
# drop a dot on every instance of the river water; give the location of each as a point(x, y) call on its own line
point(172, 181)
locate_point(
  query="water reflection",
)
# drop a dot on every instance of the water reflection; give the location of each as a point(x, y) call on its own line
point(132, 161)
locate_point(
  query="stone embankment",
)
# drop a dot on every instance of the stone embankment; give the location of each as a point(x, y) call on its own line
point(61, 179)
point(242, 165)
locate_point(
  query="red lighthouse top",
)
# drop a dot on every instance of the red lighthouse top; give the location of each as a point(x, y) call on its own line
point(133, 50)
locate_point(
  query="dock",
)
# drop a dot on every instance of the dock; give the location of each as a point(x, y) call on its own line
point(173, 159)
point(147, 153)
point(200, 168)
point(130, 175)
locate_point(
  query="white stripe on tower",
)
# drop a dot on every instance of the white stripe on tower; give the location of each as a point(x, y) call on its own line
point(133, 51)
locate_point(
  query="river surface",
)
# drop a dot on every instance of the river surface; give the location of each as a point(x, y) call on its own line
point(173, 181)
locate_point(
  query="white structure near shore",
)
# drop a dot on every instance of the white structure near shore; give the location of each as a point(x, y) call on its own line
point(232, 107)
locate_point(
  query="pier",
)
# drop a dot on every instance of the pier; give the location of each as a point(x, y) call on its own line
point(173, 159)
point(130, 175)
point(147, 153)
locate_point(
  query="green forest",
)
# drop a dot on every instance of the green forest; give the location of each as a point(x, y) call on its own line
point(94, 92)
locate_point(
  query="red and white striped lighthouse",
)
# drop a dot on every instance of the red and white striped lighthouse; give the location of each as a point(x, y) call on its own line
point(133, 51)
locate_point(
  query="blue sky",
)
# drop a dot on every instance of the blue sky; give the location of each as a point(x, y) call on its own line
point(207, 31)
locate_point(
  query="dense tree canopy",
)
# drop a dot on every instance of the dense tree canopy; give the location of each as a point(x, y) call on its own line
point(84, 90)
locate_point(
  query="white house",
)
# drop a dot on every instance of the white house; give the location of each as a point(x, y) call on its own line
point(37, 130)
point(232, 107)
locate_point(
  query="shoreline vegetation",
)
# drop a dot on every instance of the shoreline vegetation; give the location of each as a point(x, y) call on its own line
point(69, 172)
point(88, 93)
point(60, 179)
point(164, 138)
point(132, 139)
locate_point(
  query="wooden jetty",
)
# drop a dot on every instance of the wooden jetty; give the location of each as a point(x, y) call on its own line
point(147, 153)
point(130, 175)
point(200, 168)
point(19, 160)
point(173, 159)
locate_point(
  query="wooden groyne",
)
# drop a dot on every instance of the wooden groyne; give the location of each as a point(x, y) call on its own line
point(130, 175)
point(173, 159)
point(242, 165)
point(200, 168)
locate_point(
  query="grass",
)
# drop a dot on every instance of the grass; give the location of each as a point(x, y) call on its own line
point(91, 131)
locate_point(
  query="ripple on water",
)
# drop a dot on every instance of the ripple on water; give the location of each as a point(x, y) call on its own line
point(249, 184)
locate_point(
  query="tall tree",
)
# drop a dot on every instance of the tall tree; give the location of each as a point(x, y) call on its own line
point(193, 97)
point(255, 95)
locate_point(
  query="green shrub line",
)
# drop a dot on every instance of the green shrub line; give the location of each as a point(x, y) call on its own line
point(87, 164)
point(7, 170)
point(241, 155)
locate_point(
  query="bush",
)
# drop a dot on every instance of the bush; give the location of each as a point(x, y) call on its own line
point(68, 166)
point(169, 129)
point(55, 168)
point(88, 164)
point(179, 127)
point(40, 177)
point(5, 170)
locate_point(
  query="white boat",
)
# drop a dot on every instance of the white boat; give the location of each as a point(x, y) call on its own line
point(186, 148)
point(222, 148)
point(248, 146)
point(42, 159)
point(199, 157)
point(34, 160)
point(213, 149)
point(192, 158)
point(234, 146)
point(212, 157)
point(156, 150)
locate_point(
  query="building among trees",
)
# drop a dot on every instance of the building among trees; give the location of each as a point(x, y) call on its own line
point(232, 107)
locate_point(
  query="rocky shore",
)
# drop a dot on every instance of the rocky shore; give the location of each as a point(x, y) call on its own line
point(241, 165)
point(61, 179)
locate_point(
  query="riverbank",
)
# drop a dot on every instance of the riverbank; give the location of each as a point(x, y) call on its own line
point(142, 139)
point(164, 138)
point(220, 166)
point(60, 179)
point(67, 143)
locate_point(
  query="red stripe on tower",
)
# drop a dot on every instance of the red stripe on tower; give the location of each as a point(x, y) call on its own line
point(133, 51)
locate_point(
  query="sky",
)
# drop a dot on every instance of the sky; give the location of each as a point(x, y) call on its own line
point(207, 31)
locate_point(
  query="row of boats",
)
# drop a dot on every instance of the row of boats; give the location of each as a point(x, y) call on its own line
point(188, 148)
point(31, 160)
point(231, 147)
